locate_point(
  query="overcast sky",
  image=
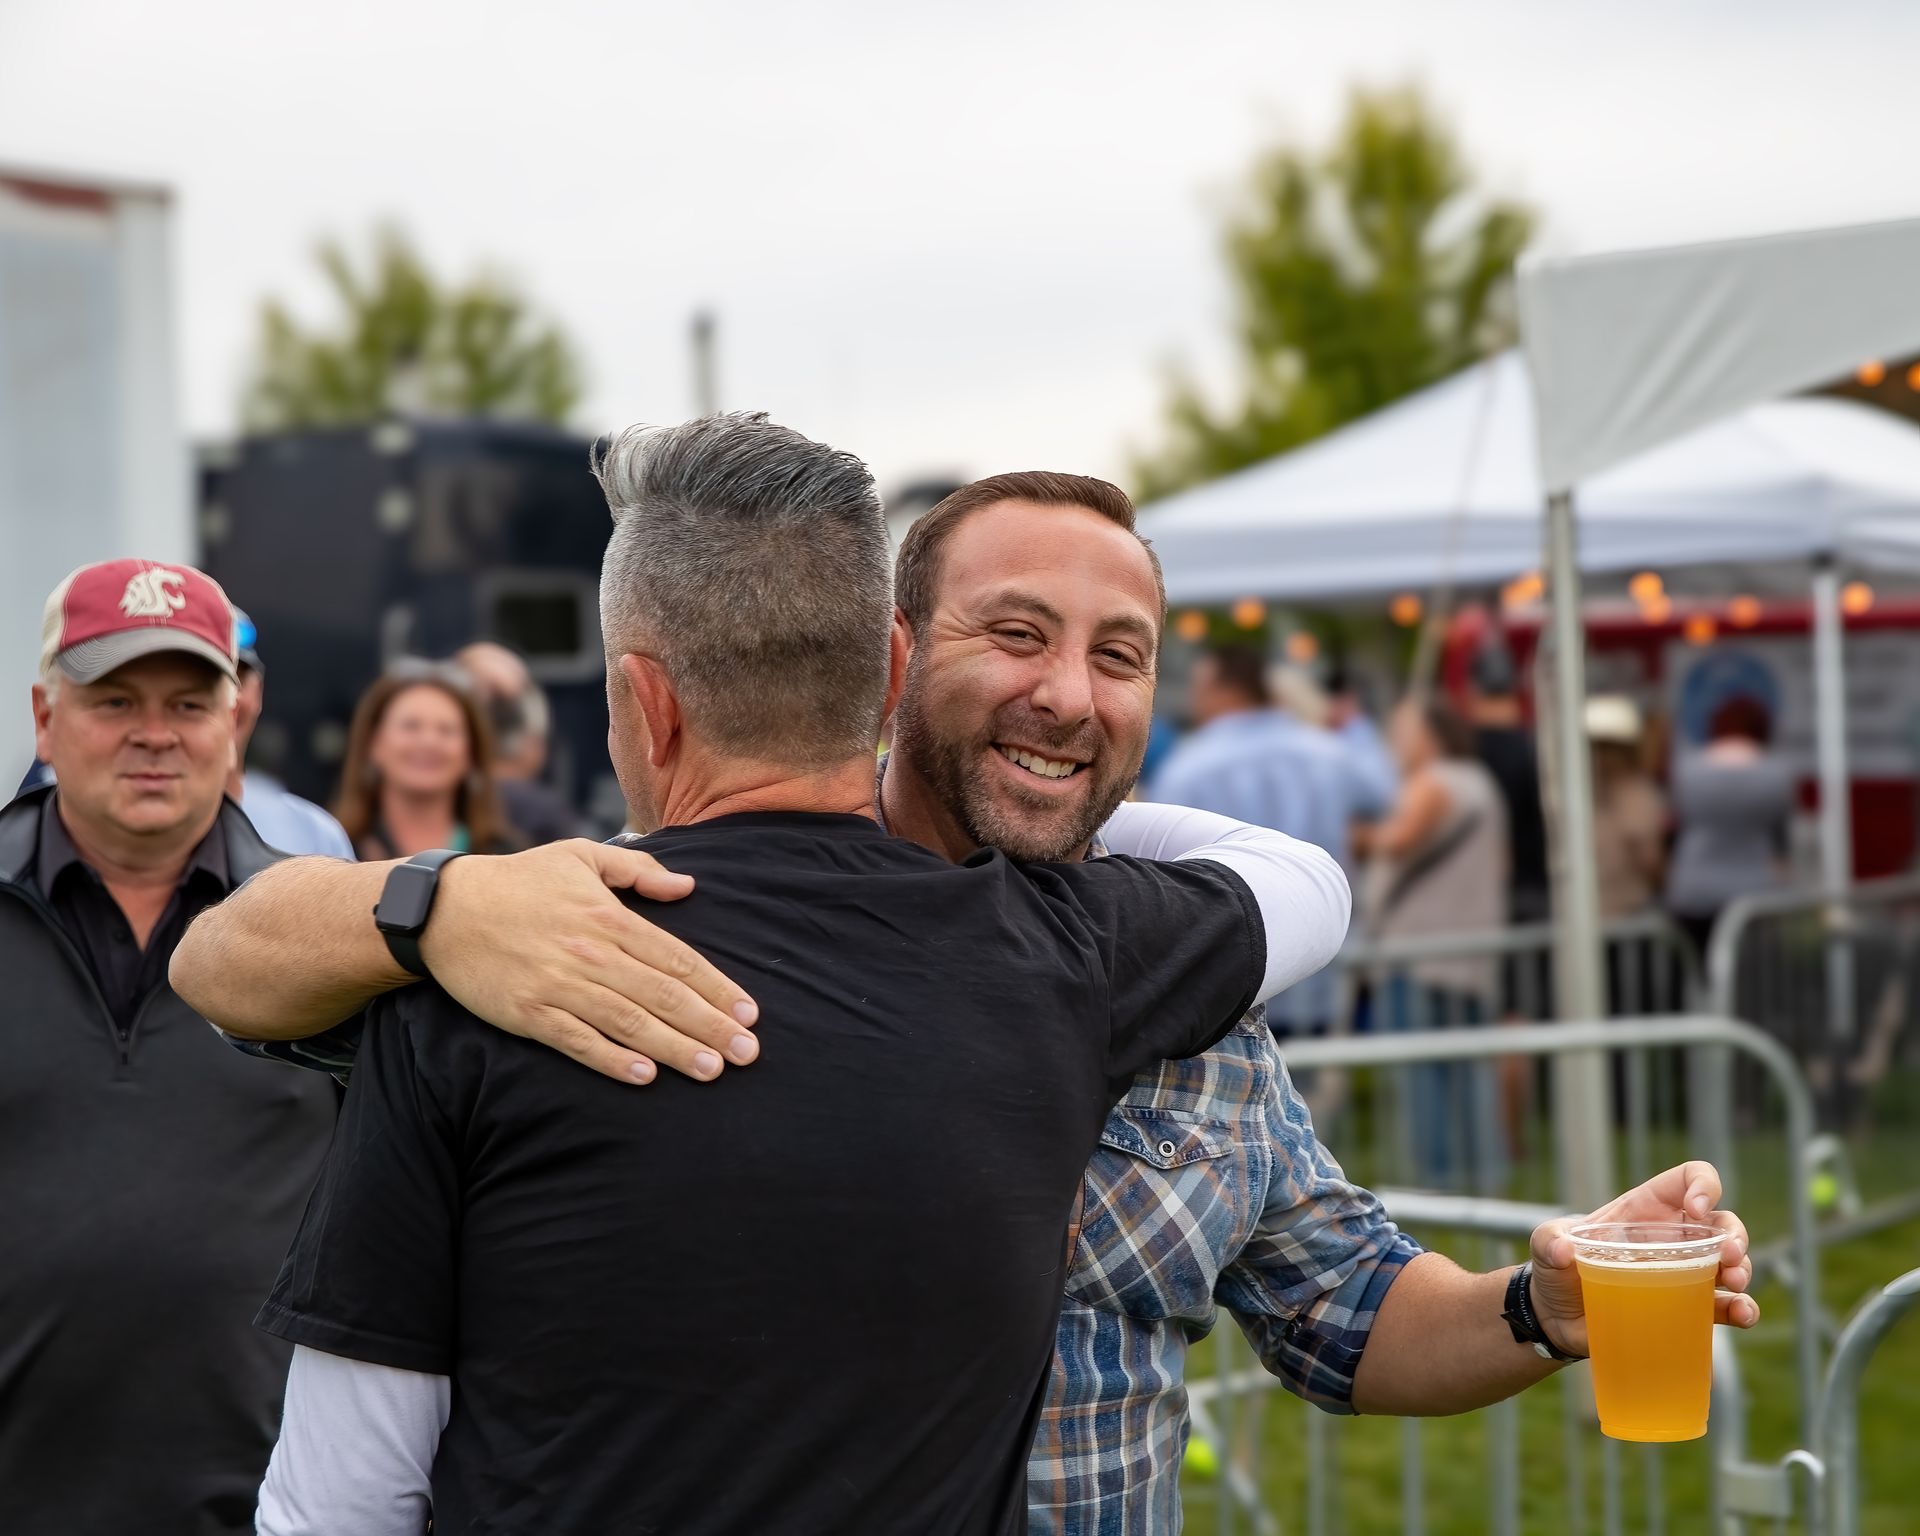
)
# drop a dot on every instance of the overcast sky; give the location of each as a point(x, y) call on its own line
point(951, 237)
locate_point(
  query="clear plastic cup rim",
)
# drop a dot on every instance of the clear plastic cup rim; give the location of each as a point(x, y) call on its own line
point(1642, 1242)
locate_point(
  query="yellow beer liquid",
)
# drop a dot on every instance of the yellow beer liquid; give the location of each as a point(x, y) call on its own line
point(1650, 1331)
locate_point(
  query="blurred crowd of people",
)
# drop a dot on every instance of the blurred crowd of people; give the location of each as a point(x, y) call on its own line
point(1438, 814)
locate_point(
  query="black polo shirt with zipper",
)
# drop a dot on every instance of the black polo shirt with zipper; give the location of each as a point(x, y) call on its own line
point(150, 1181)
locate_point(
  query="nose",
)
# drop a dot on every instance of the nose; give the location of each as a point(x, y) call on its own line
point(1065, 690)
point(153, 729)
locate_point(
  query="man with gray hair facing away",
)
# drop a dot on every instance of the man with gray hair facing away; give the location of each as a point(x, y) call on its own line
point(840, 1278)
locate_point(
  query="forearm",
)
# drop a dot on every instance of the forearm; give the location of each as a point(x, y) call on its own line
point(1439, 1344)
point(292, 953)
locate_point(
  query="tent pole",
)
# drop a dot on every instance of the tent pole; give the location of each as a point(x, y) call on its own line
point(1579, 1083)
point(1836, 825)
point(1830, 716)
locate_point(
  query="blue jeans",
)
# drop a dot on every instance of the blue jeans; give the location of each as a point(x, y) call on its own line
point(1452, 1108)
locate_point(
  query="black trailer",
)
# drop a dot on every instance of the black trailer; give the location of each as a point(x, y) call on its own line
point(354, 546)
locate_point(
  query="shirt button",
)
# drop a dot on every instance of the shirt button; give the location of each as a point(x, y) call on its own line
point(1167, 1149)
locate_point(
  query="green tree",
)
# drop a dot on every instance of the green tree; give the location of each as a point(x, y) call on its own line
point(1360, 273)
point(403, 341)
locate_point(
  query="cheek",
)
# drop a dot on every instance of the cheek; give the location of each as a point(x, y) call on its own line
point(965, 697)
point(96, 740)
point(1125, 707)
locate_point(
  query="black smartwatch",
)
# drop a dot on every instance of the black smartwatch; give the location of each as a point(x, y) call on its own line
point(405, 901)
point(1521, 1319)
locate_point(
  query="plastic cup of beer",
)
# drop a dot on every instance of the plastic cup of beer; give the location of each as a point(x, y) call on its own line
point(1648, 1288)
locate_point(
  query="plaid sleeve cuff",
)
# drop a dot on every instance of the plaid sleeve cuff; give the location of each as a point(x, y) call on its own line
point(332, 1051)
point(1316, 1353)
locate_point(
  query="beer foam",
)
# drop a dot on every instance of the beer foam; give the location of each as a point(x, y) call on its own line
point(1649, 1266)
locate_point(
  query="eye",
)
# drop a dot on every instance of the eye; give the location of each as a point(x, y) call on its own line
point(1121, 658)
point(1018, 633)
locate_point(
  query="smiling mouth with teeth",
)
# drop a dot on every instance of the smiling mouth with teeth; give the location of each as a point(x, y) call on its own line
point(1040, 767)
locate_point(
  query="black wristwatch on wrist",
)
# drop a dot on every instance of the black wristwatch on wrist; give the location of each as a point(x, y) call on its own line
point(405, 901)
point(1522, 1320)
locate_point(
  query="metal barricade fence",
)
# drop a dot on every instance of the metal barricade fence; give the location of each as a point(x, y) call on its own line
point(1835, 977)
point(1234, 1399)
point(1839, 1441)
point(1473, 1128)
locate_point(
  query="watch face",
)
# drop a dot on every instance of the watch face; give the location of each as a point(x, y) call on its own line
point(405, 900)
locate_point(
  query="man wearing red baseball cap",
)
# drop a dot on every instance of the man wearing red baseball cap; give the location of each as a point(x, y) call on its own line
point(140, 1396)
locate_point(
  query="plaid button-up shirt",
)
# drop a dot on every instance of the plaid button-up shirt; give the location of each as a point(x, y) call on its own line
point(1209, 1190)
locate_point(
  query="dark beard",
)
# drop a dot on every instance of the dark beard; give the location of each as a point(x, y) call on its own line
point(946, 762)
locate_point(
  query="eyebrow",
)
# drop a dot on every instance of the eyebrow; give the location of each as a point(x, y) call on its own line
point(1014, 597)
point(1126, 623)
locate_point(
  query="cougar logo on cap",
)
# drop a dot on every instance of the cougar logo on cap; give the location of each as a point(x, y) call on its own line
point(153, 594)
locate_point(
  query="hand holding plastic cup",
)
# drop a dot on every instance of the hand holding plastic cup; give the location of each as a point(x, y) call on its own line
point(1647, 1287)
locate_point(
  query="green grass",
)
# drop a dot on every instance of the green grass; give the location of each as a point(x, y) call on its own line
point(1366, 1493)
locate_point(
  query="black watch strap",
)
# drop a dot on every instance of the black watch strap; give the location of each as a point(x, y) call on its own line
point(1524, 1322)
point(406, 900)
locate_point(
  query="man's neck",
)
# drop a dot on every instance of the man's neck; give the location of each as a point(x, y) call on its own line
point(913, 811)
point(1496, 712)
point(844, 789)
point(140, 873)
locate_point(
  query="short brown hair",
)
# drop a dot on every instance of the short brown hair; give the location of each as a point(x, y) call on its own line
point(1240, 667)
point(1742, 716)
point(1451, 733)
point(916, 574)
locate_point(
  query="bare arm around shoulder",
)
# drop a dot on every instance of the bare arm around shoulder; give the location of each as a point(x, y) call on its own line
point(532, 942)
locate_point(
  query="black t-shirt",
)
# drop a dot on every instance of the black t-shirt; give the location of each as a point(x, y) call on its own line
point(818, 1296)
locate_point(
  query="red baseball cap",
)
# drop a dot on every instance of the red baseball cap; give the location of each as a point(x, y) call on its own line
point(104, 616)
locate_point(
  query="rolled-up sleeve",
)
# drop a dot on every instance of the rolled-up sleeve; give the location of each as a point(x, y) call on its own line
point(332, 1051)
point(1308, 1284)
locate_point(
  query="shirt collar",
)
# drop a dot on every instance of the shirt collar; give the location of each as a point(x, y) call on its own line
point(1096, 845)
point(57, 854)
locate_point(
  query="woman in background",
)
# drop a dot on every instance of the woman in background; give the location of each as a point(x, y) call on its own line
point(417, 771)
point(1733, 802)
point(1439, 865)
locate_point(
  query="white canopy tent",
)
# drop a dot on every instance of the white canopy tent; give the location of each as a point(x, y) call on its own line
point(1445, 486)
